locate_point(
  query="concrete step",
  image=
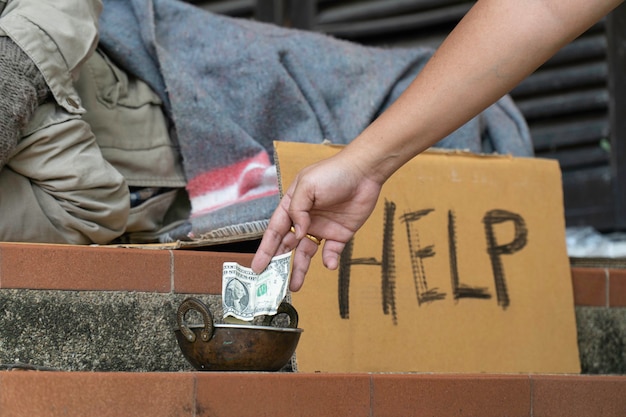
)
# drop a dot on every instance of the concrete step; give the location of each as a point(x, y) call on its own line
point(100, 308)
point(113, 309)
point(108, 314)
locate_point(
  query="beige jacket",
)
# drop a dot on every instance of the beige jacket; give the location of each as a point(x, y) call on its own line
point(68, 180)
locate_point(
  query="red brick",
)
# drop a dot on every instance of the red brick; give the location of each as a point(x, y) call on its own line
point(79, 394)
point(201, 271)
point(282, 394)
point(450, 395)
point(578, 396)
point(69, 267)
point(590, 286)
point(617, 288)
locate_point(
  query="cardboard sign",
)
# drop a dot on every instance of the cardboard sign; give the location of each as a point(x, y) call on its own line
point(462, 267)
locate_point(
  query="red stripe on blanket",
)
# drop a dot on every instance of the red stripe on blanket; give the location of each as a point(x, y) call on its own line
point(203, 210)
point(245, 181)
point(228, 176)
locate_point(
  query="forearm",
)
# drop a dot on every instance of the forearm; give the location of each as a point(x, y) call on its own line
point(495, 46)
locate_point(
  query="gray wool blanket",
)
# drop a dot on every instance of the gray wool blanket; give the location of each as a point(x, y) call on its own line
point(233, 86)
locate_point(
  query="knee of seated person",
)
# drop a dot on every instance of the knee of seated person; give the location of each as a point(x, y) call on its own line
point(97, 213)
point(101, 216)
point(33, 214)
point(81, 195)
point(115, 212)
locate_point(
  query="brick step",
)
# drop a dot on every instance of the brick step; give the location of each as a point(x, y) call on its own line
point(69, 394)
point(102, 268)
point(103, 309)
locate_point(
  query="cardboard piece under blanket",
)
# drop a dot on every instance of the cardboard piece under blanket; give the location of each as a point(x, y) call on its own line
point(462, 267)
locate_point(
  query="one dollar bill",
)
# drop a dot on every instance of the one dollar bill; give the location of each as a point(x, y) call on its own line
point(246, 295)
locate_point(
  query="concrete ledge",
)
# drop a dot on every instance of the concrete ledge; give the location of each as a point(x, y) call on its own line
point(81, 308)
point(133, 331)
point(91, 330)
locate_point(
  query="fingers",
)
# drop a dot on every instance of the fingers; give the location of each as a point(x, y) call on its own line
point(294, 213)
point(276, 239)
point(267, 249)
point(305, 250)
point(288, 214)
point(272, 244)
point(299, 207)
point(331, 253)
point(303, 255)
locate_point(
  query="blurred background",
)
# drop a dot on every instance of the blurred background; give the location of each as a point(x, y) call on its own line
point(573, 104)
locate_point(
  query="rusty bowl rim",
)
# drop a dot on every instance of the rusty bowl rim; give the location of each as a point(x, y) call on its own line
point(246, 326)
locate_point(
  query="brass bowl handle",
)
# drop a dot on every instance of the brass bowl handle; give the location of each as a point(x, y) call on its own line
point(195, 304)
point(284, 308)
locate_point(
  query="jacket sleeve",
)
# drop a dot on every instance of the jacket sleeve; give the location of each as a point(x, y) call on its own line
point(57, 187)
point(61, 188)
point(58, 35)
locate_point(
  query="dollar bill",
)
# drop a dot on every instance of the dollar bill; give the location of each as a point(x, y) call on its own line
point(246, 295)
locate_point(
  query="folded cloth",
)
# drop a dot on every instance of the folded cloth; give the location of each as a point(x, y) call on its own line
point(233, 86)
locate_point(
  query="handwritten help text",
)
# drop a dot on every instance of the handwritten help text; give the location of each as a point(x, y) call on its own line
point(495, 250)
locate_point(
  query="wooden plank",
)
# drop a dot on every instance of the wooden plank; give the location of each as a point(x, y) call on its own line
point(551, 136)
point(580, 158)
point(616, 31)
point(236, 8)
point(385, 26)
point(569, 77)
point(271, 11)
point(563, 104)
point(302, 13)
point(344, 12)
point(588, 198)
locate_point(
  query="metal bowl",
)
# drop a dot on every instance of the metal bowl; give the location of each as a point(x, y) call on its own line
point(236, 347)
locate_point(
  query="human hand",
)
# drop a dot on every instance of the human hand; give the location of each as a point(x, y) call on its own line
point(329, 200)
point(22, 89)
